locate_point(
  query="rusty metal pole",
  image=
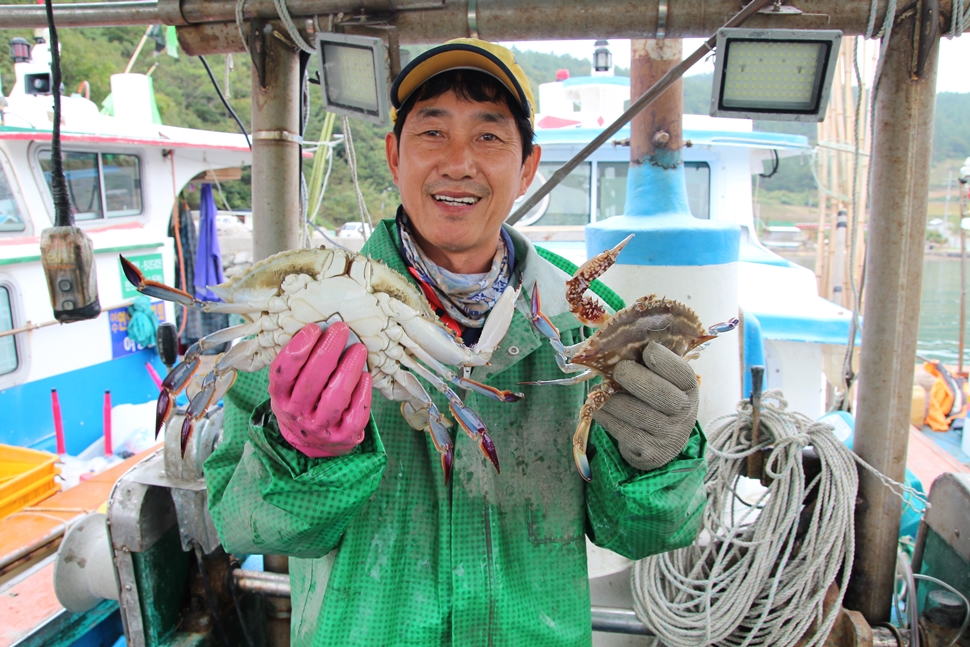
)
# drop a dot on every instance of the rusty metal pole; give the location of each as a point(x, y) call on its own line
point(276, 142)
point(894, 269)
point(657, 129)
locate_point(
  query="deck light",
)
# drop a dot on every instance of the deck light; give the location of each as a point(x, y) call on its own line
point(602, 57)
point(20, 50)
point(780, 75)
point(354, 76)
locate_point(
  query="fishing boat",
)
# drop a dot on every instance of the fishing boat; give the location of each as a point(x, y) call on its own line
point(124, 173)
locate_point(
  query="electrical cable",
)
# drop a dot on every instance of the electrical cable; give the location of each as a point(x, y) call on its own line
point(966, 603)
point(62, 206)
point(903, 564)
point(232, 112)
point(208, 594)
point(233, 564)
point(774, 167)
point(178, 243)
point(900, 642)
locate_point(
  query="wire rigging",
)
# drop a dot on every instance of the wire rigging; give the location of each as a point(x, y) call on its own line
point(232, 112)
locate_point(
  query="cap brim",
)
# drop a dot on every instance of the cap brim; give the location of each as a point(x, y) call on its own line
point(451, 57)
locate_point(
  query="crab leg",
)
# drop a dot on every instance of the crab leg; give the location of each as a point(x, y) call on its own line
point(462, 382)
point(431, 419)
point(550, 332)
point(566, 381)
point(467, 419)
point(586, 309)
point(168, 293)
point(596, 399)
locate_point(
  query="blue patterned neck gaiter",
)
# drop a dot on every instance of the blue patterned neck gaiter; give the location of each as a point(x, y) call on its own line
point(467, 298)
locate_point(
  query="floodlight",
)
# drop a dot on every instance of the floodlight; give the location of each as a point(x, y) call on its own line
point(781, 75)
point(354, 75)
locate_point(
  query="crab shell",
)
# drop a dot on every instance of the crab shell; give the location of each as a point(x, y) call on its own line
point(624, 336)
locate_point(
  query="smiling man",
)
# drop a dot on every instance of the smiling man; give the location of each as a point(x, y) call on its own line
point(384, 550)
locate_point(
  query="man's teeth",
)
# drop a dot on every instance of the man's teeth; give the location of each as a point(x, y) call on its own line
point(455, 201)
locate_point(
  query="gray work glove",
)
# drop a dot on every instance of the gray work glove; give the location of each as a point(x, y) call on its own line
point(653, 421)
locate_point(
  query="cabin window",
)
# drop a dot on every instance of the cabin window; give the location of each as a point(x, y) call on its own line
point(568, 204)
point(8, 343)
point(99, 184)
point(10, 217)
point(699, 188)
point(611, 194)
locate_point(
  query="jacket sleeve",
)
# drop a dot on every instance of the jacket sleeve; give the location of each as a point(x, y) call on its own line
point(267, 497)
point(636, 513)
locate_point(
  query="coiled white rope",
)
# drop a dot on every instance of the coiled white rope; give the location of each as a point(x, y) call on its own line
point(754, 577)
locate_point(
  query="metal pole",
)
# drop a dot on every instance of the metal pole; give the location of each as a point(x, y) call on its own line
point(838, 267)
point(434, 21)
point(894, 268)
point(658, 127)
point(276, 145)
point(963, 274)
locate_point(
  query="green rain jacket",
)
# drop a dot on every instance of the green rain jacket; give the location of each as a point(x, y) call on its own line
point(382, 552)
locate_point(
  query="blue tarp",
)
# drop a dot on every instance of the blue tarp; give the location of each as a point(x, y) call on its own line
point(208, 259)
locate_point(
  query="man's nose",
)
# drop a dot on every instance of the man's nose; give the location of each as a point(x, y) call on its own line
point(457, 160)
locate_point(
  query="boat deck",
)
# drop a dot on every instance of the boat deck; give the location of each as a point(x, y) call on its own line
point(28, 545)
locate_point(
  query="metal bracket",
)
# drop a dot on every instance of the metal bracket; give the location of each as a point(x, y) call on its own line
point(661, 19)
point(258, 31)
point(472, 19)
point(778, 9)
point(926, 34)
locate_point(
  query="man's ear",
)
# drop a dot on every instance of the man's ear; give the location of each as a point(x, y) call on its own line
point(529, 168)
point(392, 152)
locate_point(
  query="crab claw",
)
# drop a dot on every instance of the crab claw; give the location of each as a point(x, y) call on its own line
point(476, 430)
point(579, 450)
point(154, 288)
point(172, 385)
point(162, 409)
point(588, 310)
point(488, 448)
point(187, 426)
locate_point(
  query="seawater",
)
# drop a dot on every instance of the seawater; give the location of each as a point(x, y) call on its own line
point(939, 313)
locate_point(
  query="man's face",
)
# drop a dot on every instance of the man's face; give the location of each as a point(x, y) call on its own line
point(459, 169)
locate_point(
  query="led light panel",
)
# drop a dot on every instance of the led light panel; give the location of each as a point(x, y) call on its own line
point(354, 76)
point(781, 75)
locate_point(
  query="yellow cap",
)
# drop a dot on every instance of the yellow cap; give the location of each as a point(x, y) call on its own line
point(468, 54)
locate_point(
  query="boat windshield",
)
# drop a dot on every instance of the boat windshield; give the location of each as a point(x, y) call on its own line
point(10, 217)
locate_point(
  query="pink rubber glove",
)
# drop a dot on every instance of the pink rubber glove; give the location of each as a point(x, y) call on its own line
point(321, 400)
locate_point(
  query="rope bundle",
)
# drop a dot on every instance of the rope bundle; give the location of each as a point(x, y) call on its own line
point(757, 579)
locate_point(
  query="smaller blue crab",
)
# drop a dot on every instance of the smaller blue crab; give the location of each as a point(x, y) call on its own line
point(618, 337)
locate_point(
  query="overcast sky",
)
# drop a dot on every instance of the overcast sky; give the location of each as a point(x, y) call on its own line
point(954, 74)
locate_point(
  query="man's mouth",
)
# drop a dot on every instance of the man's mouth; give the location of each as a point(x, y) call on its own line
point(456, 201)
